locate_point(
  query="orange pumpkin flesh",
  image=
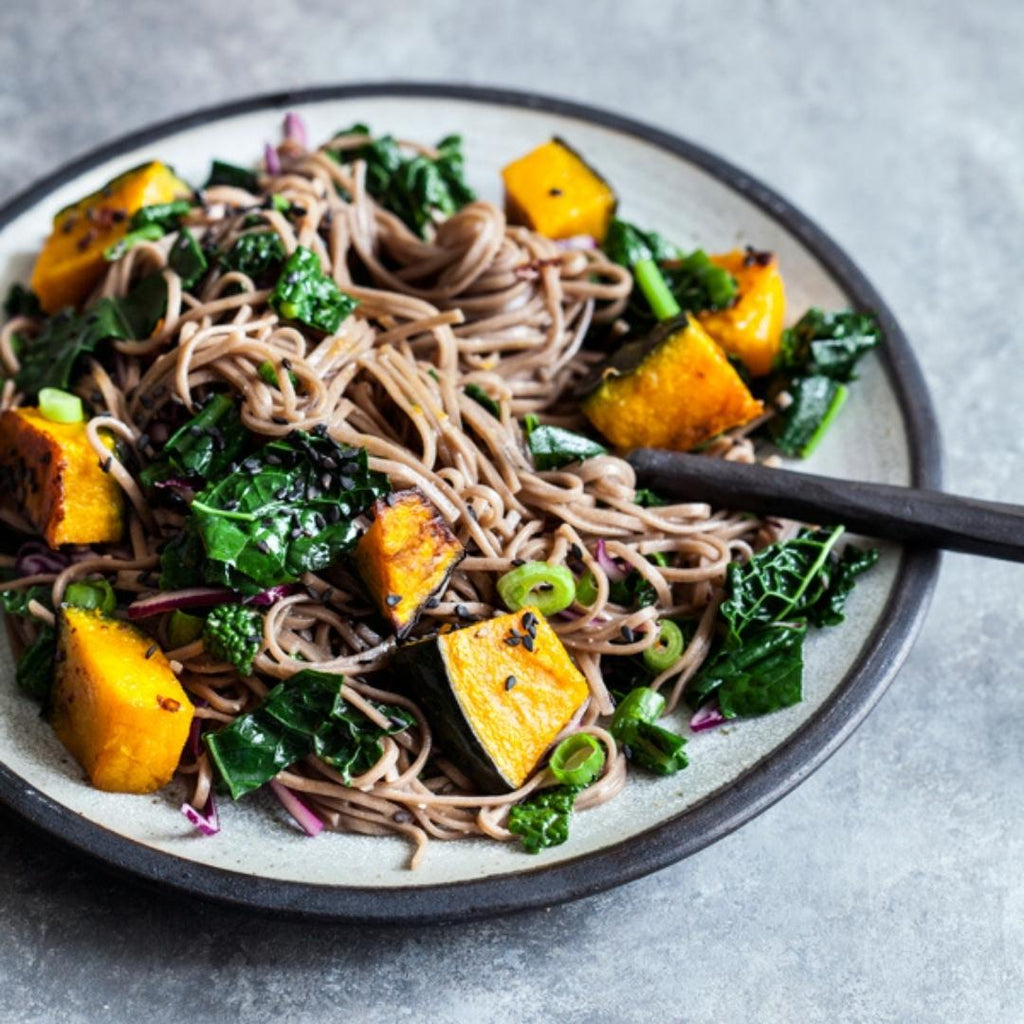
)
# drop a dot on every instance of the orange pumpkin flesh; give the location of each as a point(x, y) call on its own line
point(124, 716)
point(72, 260)
point(750, 329)
point(52, 474)
point(674, 389)
point(554, 191)
point(495, 707)
point(406, 556)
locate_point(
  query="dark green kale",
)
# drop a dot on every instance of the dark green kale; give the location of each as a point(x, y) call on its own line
point(306, 294)
point(222, 173)
point(542, 819)
point(258, 255)
point(15, 602)
point(757, 664)
point(286, 510)
point(48, 359)
point(829, 344)
point(554, 447)
point(627, 245)
point(166, 216)
point(818, 357)
point(669, 280)
point(646, 498)
point(305, 714)
point(417, 188)
point(143, 307)
point(186, 258)
point(147, 233)
point(647, 744)
point(268, 374)
point(481, 397)
point(34, 672)
point(234, 633)
point(204, 448)
point(21, 301)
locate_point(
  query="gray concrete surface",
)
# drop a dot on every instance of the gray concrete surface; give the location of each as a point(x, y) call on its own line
point(889, 886)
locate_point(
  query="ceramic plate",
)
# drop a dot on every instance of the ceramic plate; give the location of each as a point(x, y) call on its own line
point(886, 433)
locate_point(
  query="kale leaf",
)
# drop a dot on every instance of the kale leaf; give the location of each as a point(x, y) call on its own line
point(554, 447)
point(48, 359)
point(481, 397)
point(646, 498)
point(147, 233)
point(782, 583)
point(542, 819)
point(817, 358)
point(627, 245)
point(305, 293)
point(766, 672)
point(416, 188)
point(21, 301)
point(305, 714)
point(34, 672)
point(757, 664)
point(286, 510)
point(222, 173)
point(258, 254)
point(166, 216)
point(186, 258)
point(204, 448)
point(828, 344)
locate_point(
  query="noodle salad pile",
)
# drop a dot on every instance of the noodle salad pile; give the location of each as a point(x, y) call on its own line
point(315, 347)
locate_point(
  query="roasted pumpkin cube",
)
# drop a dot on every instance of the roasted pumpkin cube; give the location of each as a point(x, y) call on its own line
point(50, 471)
point(117, 706)
point(496, 693)
point(557, 193)
point(672, 389)
point(406, 556)
point(72, 262)
point(751, 328)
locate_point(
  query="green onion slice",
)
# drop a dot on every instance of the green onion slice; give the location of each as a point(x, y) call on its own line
point(656, 290)
point(60, 406)
point(667, 649)
point(586, 589)
point(640, 705)
point(91, 595)
point(183, 628)
point(577, 760)
point(550, 588)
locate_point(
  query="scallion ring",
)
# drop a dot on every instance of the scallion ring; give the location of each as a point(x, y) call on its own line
point(577, 760)
point(60, 406)
point(666, 649)
point(549, 588)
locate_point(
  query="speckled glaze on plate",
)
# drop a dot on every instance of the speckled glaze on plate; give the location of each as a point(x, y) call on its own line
point(887, 433)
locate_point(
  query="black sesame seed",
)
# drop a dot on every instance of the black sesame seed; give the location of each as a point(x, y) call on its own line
point(512, 641)
point(106, 463)
point(286, 363)
point(628, 634)
point(263, 547)
point(278, 420)
point(576, 551)
point(195, 430)
point(392, 599)
point(462, 611)
point(528, 643)
point(327, 594)
point(518, 561)
point(529, 621)
point(152, 649)
point(510, 682)
point(401, 817)
point(432, 602)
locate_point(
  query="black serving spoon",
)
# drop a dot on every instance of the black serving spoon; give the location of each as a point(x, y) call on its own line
point(907, 514)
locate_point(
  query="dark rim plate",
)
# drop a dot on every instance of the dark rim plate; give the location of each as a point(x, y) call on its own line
point(698, 826)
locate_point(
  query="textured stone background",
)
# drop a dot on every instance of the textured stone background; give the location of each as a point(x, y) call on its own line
point(889, 886)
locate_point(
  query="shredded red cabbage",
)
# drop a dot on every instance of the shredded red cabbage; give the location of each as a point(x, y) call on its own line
point(207, 824)
point(193, 597)
point(310, 823)
point(295, 128)
point(581, 242)
point(271, 159)
point(707, 717)
point(268, 597)
point(613, 569)
point(34, 558)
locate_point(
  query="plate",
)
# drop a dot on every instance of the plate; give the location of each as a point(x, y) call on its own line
point(887, 433)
